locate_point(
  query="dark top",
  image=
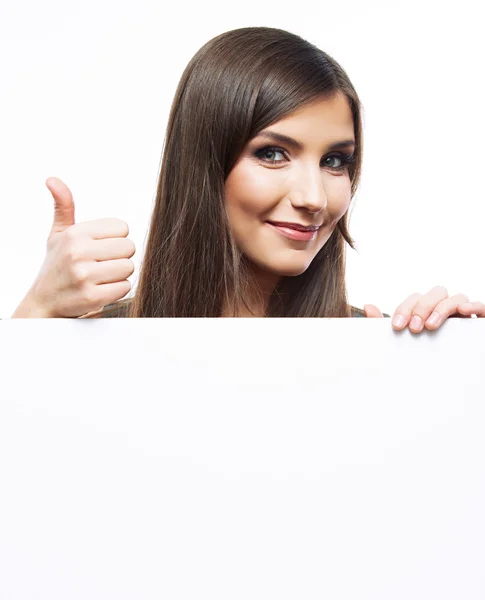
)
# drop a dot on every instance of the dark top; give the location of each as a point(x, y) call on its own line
point(121, 312)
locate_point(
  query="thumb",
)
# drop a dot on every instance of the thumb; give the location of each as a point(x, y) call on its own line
point(372, 311)
point(63, 205)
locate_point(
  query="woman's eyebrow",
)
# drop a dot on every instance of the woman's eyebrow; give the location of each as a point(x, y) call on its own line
point(286, 139)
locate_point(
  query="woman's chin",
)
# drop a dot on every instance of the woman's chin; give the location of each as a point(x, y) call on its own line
point(285, 270)
point(293, 272)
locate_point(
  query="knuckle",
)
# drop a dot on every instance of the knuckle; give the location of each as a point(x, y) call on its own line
point(423, 306)
point(441, 290)
point(72, 254)
point(435, 300)
point(89, 297)
point(70, 233)
point(408, 307)
point(79, 273)
point(423, 311)
point(402, 310)
point(442, 309)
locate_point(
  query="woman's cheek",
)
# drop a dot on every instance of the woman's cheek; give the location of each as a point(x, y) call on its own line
point(341, 197)
point(256, 192)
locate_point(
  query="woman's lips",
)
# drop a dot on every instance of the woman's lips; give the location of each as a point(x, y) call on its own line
point(295, 234)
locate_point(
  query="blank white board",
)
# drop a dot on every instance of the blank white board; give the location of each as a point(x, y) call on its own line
point(241, 459)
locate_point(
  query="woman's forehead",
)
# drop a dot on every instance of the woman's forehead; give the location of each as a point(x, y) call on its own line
point(328, 121)
point(335, 109)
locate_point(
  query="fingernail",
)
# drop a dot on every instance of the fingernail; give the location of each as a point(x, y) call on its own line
point(416, 322)
point(398, 321)
point(434, 319)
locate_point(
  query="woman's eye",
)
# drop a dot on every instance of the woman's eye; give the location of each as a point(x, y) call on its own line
point(333, 166)
point(268, 154)
point(345, 161)
point(271, 155)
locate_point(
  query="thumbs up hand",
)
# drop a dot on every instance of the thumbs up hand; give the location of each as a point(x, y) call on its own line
point(86, 265)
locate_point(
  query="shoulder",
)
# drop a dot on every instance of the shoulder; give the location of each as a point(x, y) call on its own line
point(356, 312)
point(117, 310)
point(121, 309)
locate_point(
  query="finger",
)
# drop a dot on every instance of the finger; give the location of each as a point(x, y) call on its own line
point(111, 271)
point(472, 308)
point(100, 229)
point(402, 314)
point(423, 307)
point(108, 249)
point(372, 312)
point(108, 293)
point(443, 310)
point(63, 205)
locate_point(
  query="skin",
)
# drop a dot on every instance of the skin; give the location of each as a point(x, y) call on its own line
point(275, 181)
point(87, 265)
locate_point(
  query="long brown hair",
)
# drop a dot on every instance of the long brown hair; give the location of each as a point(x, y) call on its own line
point(237, 84)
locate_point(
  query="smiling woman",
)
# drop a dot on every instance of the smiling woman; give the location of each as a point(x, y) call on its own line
point(262, 157)
point(253, 222)
point(284, 211)
point(261, 161)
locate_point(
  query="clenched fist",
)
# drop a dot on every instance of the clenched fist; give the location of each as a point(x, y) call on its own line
point(86, 265)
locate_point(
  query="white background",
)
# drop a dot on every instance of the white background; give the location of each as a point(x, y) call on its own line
point(85, 91)
point(232, 459)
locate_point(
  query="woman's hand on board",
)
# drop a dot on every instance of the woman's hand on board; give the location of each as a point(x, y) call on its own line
point(418, 311)
point(86, 265)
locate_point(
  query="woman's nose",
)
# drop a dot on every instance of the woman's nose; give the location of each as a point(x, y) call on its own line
point(309, 193)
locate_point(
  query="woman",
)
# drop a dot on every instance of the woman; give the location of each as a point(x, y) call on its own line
point(262, 157)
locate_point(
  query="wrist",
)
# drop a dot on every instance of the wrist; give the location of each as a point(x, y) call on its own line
point(30, 309)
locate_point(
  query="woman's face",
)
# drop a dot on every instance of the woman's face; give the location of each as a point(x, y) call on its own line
point(283, 197)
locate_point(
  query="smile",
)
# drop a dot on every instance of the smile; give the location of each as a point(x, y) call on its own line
point(295, 231)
